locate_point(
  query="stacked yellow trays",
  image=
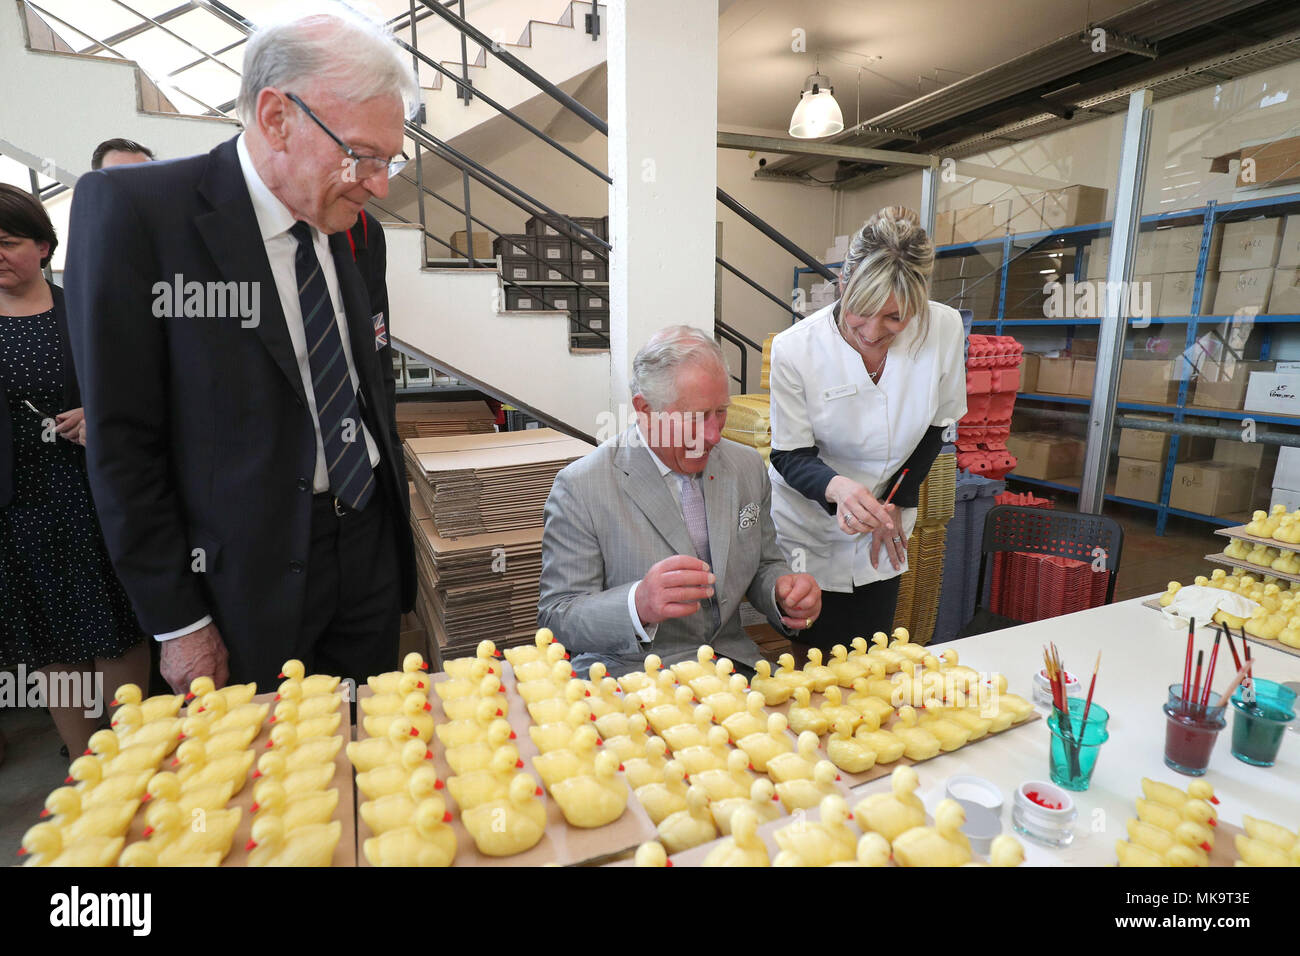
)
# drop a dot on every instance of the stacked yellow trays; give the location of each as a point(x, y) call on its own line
point(749, 422)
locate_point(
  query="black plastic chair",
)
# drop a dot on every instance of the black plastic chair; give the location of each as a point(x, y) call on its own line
point(1043, 531)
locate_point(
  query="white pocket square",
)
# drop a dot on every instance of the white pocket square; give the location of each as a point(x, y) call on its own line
point(748, 516)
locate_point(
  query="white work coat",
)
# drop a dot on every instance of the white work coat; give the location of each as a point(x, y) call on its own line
point(823, 396)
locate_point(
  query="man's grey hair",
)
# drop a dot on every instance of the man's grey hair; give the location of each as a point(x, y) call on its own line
point(351, 54)
point(654, 370)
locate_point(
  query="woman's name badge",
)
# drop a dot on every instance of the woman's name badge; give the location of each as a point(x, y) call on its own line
point(839, 391)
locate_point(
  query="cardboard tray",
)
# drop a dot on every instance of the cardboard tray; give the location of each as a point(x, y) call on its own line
point(1154, 604)
point(1221, 558)
point(562, 844)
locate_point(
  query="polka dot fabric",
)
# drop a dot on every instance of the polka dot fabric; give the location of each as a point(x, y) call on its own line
point(60, 601)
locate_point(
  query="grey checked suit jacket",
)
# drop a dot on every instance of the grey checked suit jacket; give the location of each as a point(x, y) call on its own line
point(610, 516)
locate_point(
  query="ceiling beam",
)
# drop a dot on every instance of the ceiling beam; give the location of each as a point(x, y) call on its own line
point(773, 144)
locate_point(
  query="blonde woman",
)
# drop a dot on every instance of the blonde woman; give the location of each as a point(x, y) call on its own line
point(860, 391)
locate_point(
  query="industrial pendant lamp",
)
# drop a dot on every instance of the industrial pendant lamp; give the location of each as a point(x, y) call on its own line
point(817, 113)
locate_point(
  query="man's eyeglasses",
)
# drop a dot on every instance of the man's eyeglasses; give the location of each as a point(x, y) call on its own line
point(363, 166)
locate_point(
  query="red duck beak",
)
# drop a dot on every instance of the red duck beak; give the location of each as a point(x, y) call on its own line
point(87, 752)
point(519, 765)
point(22, 851)
point(272, 720)
point(428, 755)
point(148, 832)
point(250, 845)
point(513, 736)
point(668, 862)
point(256, 774)
point(775, 797)
point(538, 791)
point(428, 706)
point(424, 666)
point(190, 696)
point(175, 763)
point(113, 702)
point(446, 816)
point(112, 723)
point(280, 675)
point(147, 797)
point(1214, 799)
point(1213, 822)
point(45, 813)
point(620, 768)
point(414, 733)
point(68, 779)
point(180, 736)
point(254, 807)
point(270, 744)
point(277, 697)
point(1206, 847)
point(438, 786)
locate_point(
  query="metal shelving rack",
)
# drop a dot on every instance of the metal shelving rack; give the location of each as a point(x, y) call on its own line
point(1211, 215)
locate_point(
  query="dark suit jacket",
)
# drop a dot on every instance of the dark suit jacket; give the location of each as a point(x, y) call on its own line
point(198, 431)
point(71, 399)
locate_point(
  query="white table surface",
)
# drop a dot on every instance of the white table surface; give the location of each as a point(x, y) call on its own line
point(1141, 657)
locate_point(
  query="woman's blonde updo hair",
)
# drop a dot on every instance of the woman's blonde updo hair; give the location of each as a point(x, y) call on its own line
point(889, 255)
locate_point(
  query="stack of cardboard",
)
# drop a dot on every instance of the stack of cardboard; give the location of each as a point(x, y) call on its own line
point(765, 375)
point(431, 419)
point(475, 484)
point(749, 422)
point(992, 378)
point(919, 588)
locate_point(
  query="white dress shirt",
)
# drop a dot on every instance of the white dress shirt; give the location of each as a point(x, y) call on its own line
point(273, 222)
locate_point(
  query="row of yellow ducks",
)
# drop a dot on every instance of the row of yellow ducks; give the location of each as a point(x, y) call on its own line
point(1276, 619)
point(1267, 844)
point(1173, 827)
point(890, 826)
point(1276, 524)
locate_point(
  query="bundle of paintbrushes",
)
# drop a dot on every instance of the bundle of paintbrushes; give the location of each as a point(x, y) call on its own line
point(1071, 738)
point(1195, 700)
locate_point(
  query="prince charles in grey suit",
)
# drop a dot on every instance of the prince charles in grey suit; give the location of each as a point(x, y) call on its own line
point(652, 540)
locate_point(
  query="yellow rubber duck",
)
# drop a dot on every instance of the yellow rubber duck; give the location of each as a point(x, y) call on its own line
point(1287, 530)
point(902, 643)
point(301, 753)
point(873, 850)
point(396, 810)
point(236, 695)
point(1262, 555)
point(578, 757)
point(63, 808)
point(822, 676)
point(491, 783)
point(287, 712)
point(556, 735)
point(918, 742)
point(43, 846)
point(1133, 855)
point(797, 765)
point(834, 708)
point(1278, 836)
point(1020, 709)
point(773, 690)
point(376, 751)
point(392, 703)
point(128, 723)
point(969, 719)
point(790, 675)
point(195, 768)
point(1290, 635)
point(616, 724)
point(847, 752)
point(652, 854)
point(846, 671)
point(412, 663)
point(459, 667)
point(510, 826)
point(312, 686)
point(965, 678)
point(743, 846)
point(542, 667)
point(763, 746)
point(805, 843)
point(1161, 842)
point(144, 854)
point(525, 654)
point(894, 813)
point(1197, 812)
point(224, 719)
point(118, 759)
point(272, 845)
point(886, 746)
point(880, 651)
point(952, 735)
point(1262, 853)
point(1275, 516)
point(426, 841)
point(202, 831)
point(1171, 796)
point(606, 699)
point(593, 800)
point(679, 711)
point(553, 710)
point(687, 671)
point(712, 682)
point(803, 716)
point(649, 767)
point(761, 799)
point(297, 810)
point(688, 827)
point(97, 788)
point(473, 716)
point(164, 705)
point(751, 720)
point(1258, 526)
point(636, 681)
point(713, 754)
point(730, 701)
point(803, 794)
point(1237, 549)
point(271, 765)
point(873, 691)
point(476, 756)
point(321, 705)
point(662, 798)
point(732, 780)
point(196, 728)
point(1218, 577)
point(415, 708)
point(165, 785)
point(480, 683)
point(940, 845)
point(1265, 625)
point(692, 734)
point(377, 783)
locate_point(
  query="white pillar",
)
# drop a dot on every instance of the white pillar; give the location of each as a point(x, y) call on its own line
point(663, 127)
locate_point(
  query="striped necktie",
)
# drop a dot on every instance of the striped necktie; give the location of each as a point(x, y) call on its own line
point(352, 480)
point(697, 525)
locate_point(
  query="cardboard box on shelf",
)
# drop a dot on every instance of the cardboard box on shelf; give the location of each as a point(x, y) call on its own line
point(1176, 289)
point(1029, 372)
point(1288, 250)
point(1046, 456)
point(1144, 258)
point(1178, 249)
point(1252, 454)
point(1287, 472)
point(942, 235)
point(1054, 375)
point(1139, 479)
point(1273, 393)
point(482, 244)
point(972, 224)
point(1073, 206)
point(1154, 446)
point(1024, 213)
point(1081, 379)
point(1284, 297)
point(1211, 487)
point(1241, 290)
point(1252, 244)
point(1223, 385)
point(1153, 382)
point(1274, 163)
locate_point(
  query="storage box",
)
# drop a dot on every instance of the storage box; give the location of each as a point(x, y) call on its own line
point(1179, 249)
point(1270, 164)
point(1054, 375)
point(1252, 244)
point(1081, 379)
point(1139, 479)
point(1143, 258)
point(1223, 385)
point(482, 244)
point(1176, 289)
point(1287, 473)
point(1246, 290)
point(1252, 454)
point(558, 251)
point(1152, 382)
point(514, 245)
point(1284, 296)
point(942, 235)
point(1029, 372)
point(543, 227)
point(1046, 456)
point(590, 271)
point(1211, 487)
point(1154, 446)
point(595, 321)
point(1024, 213)
point(1289, 497)
point(418, 375)
point(523, 300)
point(1288, 250)
point(972, 224)
point(1073, 206)
point(1273, 393)
point(585, 251)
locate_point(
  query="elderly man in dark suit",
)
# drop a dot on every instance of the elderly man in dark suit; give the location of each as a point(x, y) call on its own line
point(653, 540)
point(231, 342)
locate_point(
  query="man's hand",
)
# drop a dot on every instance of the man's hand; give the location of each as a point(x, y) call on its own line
point(71, 425)
point(857, 509)
point(673, 588)
point(895, 544)
point(199, 654)
point(800, 599)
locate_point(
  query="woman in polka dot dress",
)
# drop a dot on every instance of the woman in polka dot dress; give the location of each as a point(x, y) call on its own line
point(61, 606)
